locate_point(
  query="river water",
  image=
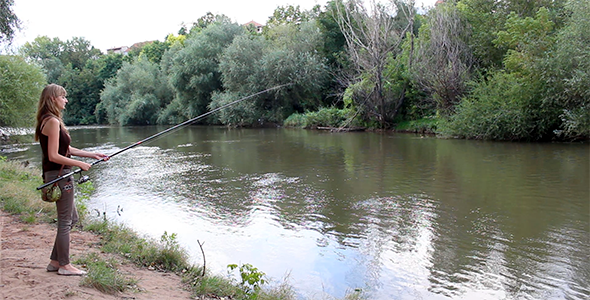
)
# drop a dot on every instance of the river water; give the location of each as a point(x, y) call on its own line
point(397, 216)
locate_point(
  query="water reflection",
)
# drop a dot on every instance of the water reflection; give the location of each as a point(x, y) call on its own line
point(399, 216)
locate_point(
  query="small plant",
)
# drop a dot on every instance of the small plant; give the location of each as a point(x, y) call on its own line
point(104, 276)
point(29, 218)
point(171, 256)
point(252, 279)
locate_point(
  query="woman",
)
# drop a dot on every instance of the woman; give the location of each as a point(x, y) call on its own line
point(55, 144)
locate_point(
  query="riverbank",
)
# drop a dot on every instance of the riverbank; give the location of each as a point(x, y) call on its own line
point(24, 255)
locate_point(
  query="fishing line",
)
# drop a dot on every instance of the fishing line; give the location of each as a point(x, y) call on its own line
point(187, 122)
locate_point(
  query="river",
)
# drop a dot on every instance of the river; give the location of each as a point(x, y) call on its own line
point(398, 216)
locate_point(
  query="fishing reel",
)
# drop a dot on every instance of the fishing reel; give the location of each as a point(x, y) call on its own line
point(83, 179)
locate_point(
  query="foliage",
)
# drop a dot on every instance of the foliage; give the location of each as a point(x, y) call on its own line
point(503, 107)
point(154, 51)
point(488, 17)
point(194, 73)
point(252, 279)
point(408, 101)
point(443, 62)
point(252, 64)
point(203, 22)
point(296, 120)
point(373, 34)
point(324, 117)
point(566, 73)
point(9, 22)
point(73, 53)
point(289, 14)
point(333, 48)
point(165, 255)
point(527, 40)
point(77, 66)
point(137, 95)
point(20, 86)
point(172, 40)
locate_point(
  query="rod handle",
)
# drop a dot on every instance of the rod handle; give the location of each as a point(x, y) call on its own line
point(58, 179)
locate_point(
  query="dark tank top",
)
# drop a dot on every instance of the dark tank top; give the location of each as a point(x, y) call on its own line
point(64, 145)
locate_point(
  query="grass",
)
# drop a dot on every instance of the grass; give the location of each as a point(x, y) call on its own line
point(18, 196)
point(424, 125)
point(18, 193)
point(103, 275)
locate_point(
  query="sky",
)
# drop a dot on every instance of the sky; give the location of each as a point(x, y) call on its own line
point(115, 23)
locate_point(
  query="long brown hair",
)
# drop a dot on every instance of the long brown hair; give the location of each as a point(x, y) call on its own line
point(47, 107)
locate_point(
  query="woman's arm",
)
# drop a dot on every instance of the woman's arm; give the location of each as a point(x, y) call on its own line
point(51, 130)
point(82, 153)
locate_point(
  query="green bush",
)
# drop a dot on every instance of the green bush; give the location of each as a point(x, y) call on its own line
point(505, 107)
point(296, 120)
point(324, 117)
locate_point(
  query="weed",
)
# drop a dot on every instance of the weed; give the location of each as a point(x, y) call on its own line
point(252, 279)
point(104, 276)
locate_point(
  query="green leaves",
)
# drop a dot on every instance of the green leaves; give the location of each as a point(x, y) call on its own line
point(20, 87)
point(137, 95)
point(527, 40)
point(252, 279)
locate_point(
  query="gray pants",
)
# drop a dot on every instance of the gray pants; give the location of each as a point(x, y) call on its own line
point(67, 216)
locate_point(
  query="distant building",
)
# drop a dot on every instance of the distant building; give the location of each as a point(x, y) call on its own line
point(256, 25)
point(118, 50)
point(124, 49)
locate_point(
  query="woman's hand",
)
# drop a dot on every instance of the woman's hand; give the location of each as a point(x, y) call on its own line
point(100, 156)
point(84, 166)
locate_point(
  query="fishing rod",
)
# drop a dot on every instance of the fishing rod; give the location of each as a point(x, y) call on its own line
point(187, 122)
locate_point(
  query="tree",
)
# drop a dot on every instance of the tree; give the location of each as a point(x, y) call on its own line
point(136, 96)
point(566, 73)
point(45, 52)
point(290, 15)
point(79, 67)
point(444, 60)
point(55, 55)
point(9, 22)
point(194, 72)
point(509, 104)
point(488, 17)
point(334, 42)
point(20, 87)
point(203, 22)
point(154, 51)
point(372, 35)
point(252, 64)
point(77, 52)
